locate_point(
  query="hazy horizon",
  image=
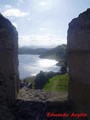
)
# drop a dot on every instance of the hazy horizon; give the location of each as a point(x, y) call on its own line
point(35, 47)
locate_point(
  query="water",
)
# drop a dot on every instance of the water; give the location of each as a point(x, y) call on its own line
point(30, 65)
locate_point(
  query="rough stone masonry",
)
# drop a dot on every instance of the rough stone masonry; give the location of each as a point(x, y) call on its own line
point(9, 78)
point(79, 61)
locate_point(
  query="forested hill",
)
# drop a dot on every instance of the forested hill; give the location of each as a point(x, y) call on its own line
point(58, 53)
point(34, 51)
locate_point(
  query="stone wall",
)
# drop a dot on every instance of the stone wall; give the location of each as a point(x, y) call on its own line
point(78, 42)
point(9, 79)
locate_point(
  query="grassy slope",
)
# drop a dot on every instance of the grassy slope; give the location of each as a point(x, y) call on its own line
point(57, 83)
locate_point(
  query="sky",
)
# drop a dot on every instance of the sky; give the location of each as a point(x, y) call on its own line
point(42, 23)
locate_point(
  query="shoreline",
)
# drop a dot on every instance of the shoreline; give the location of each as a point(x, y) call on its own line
point(30, 76)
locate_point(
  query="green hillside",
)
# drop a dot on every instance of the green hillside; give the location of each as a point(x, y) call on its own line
point(57, 83)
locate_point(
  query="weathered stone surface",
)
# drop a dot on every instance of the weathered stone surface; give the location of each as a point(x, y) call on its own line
point(8, 60)
point(79, 61)
point(41, 95)
point(79, 32)
point(36, 110)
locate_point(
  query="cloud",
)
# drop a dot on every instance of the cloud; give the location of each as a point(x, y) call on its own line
point(41, 40)
point(43, 3)
point(8, 6)
point(20, 2)
point(29, 18)
point(43, 29)
point(14, 12)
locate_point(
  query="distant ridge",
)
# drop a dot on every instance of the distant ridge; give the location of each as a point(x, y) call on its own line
point(58, 53)
point(35, 51)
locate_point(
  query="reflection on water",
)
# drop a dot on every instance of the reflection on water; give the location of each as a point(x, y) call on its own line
point(46, 63)
point(30, 65)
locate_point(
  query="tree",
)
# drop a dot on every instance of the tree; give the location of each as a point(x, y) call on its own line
point(40, 80)
point(63, 69)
